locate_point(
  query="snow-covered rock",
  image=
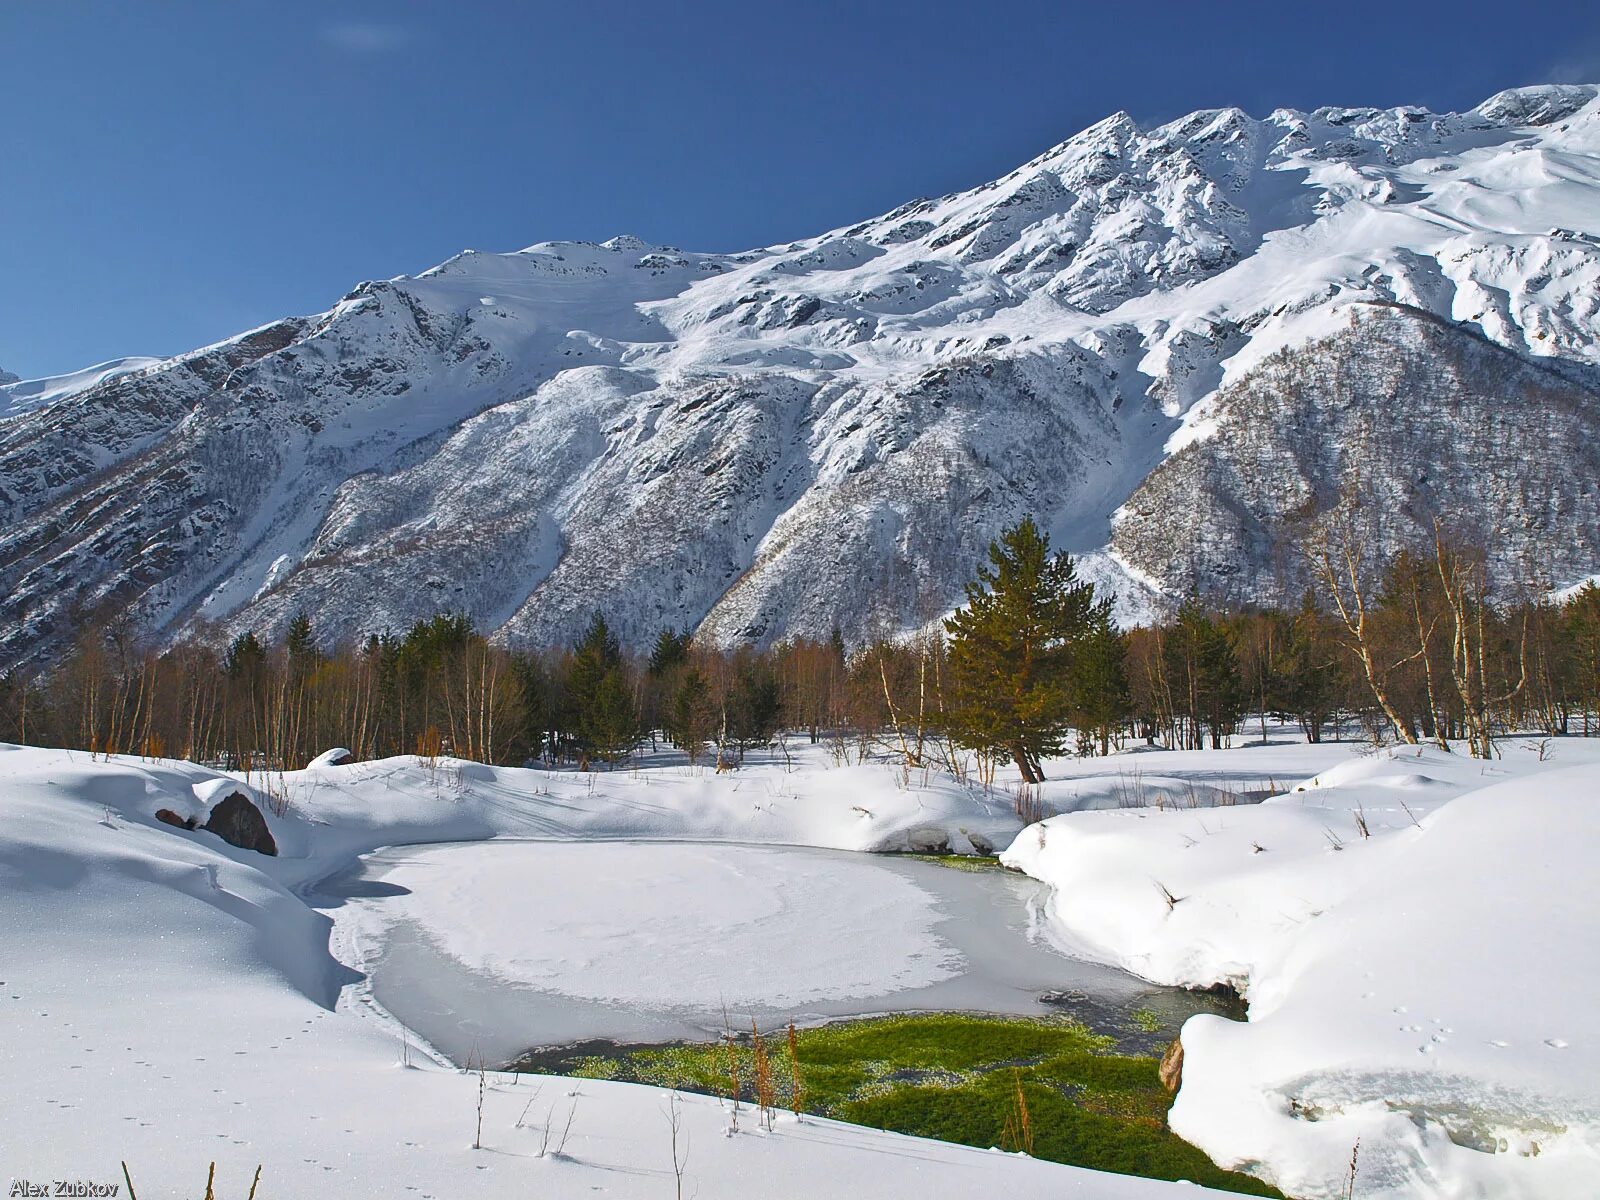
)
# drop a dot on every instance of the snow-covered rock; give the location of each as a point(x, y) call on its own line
point(831, 430)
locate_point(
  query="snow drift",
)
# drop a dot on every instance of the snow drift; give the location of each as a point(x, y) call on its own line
point(1420, 956)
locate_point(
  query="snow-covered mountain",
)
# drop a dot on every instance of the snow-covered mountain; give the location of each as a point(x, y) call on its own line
point(1175, 346)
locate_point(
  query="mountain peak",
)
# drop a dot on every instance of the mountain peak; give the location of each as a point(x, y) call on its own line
point(832, 429)
point(1540, 104)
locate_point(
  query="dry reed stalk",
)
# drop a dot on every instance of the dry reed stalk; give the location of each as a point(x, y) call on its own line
point(798, 1090)
point(766, 1090)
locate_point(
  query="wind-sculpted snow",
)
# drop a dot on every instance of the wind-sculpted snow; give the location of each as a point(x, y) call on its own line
point(830, 431)
point(1419, 966)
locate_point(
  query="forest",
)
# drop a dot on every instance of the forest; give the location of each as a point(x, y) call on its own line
point(1031, 666)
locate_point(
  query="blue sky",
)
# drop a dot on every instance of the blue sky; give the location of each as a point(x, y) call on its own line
point(172, 173)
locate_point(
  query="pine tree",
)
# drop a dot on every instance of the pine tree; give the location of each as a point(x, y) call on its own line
point(1205, 666)
point(604, 717)
point(690, 718)
point(1101, 700)
point(245, 656)
point(1012, 648)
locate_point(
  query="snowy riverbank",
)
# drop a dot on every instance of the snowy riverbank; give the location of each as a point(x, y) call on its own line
point(1428, 989)
point(171, 1000)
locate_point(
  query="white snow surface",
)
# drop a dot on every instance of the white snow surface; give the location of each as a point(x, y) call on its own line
point(18, 396)
point(1428, 989)
point(168, 1000)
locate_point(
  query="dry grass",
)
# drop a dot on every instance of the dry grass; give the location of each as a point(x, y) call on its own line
point(766, 1087)
point(211, 1182)
point(1017, 1134)
point(797, 1093)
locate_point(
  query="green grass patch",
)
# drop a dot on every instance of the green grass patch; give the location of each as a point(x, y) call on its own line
point(956, 1077)
point(961, 862)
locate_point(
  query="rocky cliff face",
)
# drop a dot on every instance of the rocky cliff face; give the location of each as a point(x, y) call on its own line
point(831, 430)
point(1396, 422)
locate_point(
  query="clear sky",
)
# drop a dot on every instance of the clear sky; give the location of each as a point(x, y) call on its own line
point(172, 173)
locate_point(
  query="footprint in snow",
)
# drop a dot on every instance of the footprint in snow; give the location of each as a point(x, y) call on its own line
point(1497, 1042)
point(1557, 1043)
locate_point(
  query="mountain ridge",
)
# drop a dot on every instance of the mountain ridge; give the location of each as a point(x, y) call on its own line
point(823, 431)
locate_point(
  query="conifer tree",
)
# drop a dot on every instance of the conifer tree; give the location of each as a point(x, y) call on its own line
point(754, 703)
point(244, 657)
point(690, 719)
point(671, 650)
point(605, 718)
point(300, 641)
point(1205, 667)
point(1101, 700)
point(1307, 687)
point(1012, 648)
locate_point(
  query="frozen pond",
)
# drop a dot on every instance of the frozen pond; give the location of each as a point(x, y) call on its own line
point(494, 947)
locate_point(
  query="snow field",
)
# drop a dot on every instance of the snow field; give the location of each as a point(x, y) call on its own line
point(170, 1001)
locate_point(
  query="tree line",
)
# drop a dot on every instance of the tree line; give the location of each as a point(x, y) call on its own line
point(1029, 667)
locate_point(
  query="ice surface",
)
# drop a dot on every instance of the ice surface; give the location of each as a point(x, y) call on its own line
point(495, 947)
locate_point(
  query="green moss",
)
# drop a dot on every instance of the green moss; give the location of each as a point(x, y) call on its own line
point(1148, 1021)
point(961, 862)
point(955, 1077)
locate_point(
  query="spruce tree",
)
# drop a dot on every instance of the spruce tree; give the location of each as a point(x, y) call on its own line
point(671, 650)
point(301, 644)
point(754, 703)
point(604, 717)
point(690, 718)
point(244, 657)
point(1101, 700)
point(1206, 667)
point(1012, 648)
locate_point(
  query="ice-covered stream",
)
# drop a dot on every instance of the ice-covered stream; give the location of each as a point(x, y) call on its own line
point(494, 947)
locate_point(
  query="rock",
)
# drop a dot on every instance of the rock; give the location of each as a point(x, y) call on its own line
point(1171, 1068)
point(980, 844)
point(168, 817)
point(930, 839)
point(239, 823)
point(337, 757)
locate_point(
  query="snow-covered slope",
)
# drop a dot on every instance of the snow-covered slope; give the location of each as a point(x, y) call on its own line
point(829, 431)
point(18, 395)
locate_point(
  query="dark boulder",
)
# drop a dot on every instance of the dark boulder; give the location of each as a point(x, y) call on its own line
point(168, 817)
point(238, 822)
